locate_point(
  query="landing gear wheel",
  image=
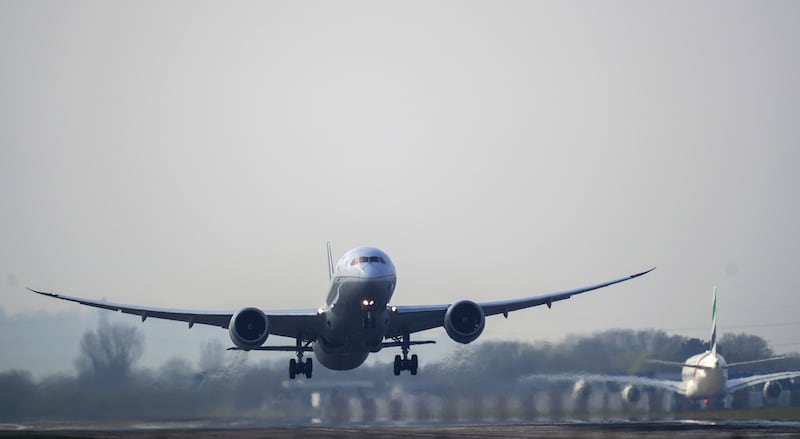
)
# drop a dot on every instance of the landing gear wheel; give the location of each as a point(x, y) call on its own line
point(404, 363)
point(299, 367)
point(398, 365)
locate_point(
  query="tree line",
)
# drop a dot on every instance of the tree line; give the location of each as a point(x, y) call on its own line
point(107, 384)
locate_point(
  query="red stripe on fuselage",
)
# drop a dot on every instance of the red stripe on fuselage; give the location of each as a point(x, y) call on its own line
point(699, 360)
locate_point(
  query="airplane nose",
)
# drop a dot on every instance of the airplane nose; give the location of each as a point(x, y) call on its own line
point(371, 270)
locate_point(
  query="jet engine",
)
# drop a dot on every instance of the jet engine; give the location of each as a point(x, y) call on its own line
point(631, 394)
point(464, 321)
point(581, 390)
point(772, 390)
point(249, 328)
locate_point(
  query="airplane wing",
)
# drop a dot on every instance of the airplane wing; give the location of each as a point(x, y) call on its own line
point(622, 380)
point(307, 322)
point(413, 319)
point(284, 323)
point(735, 384)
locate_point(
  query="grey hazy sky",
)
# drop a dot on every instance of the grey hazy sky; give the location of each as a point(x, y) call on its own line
point(199, 155)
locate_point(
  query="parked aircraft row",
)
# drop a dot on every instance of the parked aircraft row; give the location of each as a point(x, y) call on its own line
point(358, 318)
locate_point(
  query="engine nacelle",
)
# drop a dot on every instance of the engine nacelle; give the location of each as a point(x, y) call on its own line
point(249, 328)
point(464, 321)
point(772, 390)
point(581, 390)
point(631, 394)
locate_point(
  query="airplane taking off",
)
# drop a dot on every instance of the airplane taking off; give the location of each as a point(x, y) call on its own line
point(703, 376)
point(356, 318)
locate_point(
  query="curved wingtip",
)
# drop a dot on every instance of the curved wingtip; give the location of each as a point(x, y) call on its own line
point(642, 273)
point(41, 292)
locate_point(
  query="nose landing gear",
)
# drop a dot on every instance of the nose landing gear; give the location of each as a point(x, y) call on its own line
point(368, 321)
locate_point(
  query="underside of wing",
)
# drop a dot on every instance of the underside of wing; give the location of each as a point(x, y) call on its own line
point(506, 306)
point(305, 323)
point(411, 319)
point(735, 384)
point(213, 318)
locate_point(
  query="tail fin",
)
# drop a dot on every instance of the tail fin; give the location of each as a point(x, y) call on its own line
point(330, 262)
point(713, 339)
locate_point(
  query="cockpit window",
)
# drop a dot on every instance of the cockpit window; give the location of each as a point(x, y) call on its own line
point(367, 259)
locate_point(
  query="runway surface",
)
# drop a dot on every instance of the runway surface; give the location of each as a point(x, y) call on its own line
point(248, 429)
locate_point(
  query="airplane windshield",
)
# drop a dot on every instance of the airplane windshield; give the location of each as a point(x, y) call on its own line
point(368, 259)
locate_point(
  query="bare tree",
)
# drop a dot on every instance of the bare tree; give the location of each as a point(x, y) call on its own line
point(744, 347)
point(110, 352)
point(212, 357)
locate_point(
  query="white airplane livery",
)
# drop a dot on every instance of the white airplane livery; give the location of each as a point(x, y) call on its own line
point(357, 317)
point(706, 375)
point(703, 376)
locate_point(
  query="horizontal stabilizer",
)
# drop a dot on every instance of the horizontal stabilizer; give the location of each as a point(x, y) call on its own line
point(676, 364)
point(396, 344)
point(763, 360)
point(390, 344)
point(273, 348)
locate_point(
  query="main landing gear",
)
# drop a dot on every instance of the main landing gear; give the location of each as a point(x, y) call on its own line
point(300, 367)
point(404, 363)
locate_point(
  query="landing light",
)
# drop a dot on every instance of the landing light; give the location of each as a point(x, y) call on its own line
point(320, 311)
point(367, 302)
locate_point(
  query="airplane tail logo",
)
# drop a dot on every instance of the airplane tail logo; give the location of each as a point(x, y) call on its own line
point(713, 339)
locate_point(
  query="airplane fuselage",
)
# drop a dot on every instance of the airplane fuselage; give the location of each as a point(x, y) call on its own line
point(356, 309)
point(708, 381)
